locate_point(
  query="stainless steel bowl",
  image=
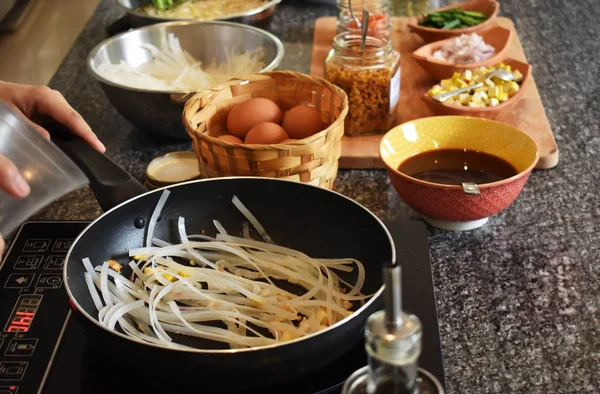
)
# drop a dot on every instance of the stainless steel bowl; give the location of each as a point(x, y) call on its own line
point(160, 111)
point(252, 17)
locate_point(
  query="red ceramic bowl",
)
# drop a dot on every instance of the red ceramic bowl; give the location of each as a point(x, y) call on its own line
point(447, 206)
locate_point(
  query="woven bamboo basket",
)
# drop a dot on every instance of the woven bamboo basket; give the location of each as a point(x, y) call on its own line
point(311, 160)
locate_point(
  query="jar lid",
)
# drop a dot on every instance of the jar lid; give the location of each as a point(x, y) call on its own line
point(172, 168)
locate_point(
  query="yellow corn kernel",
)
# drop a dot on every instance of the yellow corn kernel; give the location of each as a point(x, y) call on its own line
point(322, 316)
point(169, 277)
point(436, 89)
point(514, 88)
point(464, 98)
point(495, 91)
point(473, 104)
point(446, 84)
point(456, 76)
point(114, 265)
point(287, 336)
point(518, 76)
point(184, 275)
point(150, 271)
point(468, 75)
point(494, 101)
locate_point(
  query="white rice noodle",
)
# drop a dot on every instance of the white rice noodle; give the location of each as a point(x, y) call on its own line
point(229, 279)
point(261, 230)
point(93, 292)
point(219, 227)
point(160, 242)
point(142, 251)
point(106, 294)
point(122, 311)
point(173, 69)
point(246, 230)
point(157, 210)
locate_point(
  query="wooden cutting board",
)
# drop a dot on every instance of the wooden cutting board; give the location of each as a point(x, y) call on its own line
point(363, 152)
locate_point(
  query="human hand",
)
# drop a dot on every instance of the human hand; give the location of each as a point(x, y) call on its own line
point(35, 104)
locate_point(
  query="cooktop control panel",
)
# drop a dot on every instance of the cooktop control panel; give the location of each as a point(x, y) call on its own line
point(34, 306)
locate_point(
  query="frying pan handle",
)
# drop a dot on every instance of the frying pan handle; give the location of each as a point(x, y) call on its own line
point(110, 183)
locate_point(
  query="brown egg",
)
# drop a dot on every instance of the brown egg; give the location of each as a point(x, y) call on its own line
point(266, 133)
point(230, 138)
point(249, 113)
point(302, 121)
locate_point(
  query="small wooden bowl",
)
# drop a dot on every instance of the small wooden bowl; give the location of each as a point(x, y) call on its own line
point(429, 34)
point(488, 112)
point(498, 37)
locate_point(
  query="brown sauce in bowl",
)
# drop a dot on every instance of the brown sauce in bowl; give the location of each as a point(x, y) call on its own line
point(457, 166)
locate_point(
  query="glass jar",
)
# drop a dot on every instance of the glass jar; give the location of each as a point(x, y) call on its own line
point(370, 78)
point(379, 17)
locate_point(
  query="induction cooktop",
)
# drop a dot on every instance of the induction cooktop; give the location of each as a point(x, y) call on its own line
point(43, 350)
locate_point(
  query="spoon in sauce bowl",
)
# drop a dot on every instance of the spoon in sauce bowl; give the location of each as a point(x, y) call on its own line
point(498, 73)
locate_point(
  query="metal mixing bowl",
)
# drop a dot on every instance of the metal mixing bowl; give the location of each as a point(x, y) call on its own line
point(160, 111)
point(256, 16)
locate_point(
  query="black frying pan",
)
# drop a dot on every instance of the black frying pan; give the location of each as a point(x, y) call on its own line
point(316, 221)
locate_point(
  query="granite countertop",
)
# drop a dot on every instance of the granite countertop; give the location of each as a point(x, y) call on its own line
point(519, 299)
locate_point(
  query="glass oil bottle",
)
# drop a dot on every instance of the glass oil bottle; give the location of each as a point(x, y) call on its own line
point(393, 344)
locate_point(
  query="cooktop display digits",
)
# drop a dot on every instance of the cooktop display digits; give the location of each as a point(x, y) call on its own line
point(34, 307)
point(23, 313)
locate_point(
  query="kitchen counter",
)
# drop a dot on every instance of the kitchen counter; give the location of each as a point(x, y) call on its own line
point(519, 299)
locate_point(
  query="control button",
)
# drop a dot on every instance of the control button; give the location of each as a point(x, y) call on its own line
point(54, 263)
point(28, 262)
point(36, 245)
point(49, 281)
point(23, 347)
point(9, 389)
point(13, 370)
point(19, 281)
point(62, 245)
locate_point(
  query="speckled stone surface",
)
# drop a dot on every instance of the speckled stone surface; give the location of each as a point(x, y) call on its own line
point(519, 299)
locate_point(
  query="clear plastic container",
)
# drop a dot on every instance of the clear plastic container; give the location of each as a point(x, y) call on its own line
point(48, 171)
